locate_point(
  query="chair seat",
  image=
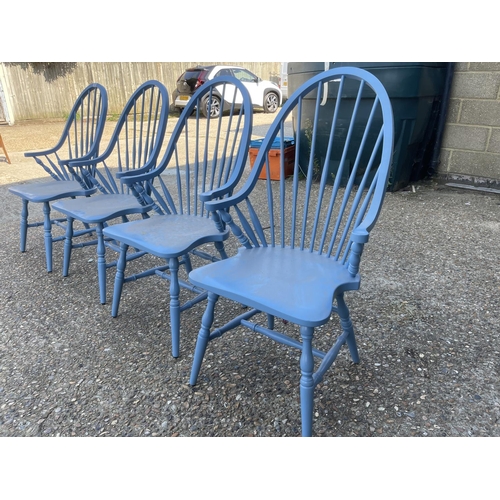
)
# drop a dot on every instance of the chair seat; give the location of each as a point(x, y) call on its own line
point(291, 284)
point(167, 236)
point(40, 192)
point(100, 208)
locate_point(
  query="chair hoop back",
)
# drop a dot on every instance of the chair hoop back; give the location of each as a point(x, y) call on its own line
point(341, 162)
point(206, 153)
point(81, 135)
point(137, 139)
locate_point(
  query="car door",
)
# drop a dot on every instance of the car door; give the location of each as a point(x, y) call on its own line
point(251, 82)
point(230, 89)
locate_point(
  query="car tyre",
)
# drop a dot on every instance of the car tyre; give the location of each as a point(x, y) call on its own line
point(214, 107)
point(271, 102)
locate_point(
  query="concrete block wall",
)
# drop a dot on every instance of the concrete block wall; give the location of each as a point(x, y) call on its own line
point(470, 151)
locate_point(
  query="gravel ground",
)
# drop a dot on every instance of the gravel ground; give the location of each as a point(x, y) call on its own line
point(426, 320)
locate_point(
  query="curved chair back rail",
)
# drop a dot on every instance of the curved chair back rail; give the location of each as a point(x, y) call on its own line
point(302, 236)
point(80, 140)
point(205, 157)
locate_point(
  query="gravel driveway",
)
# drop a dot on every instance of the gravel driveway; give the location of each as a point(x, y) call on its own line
point(426, 320)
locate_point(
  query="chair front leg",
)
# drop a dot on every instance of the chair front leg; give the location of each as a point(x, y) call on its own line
point(47, 231)
point(306, 380)
point(24, 226)
point(101, 262)
point(175, 322)
point(203, 337)
point(120, 276)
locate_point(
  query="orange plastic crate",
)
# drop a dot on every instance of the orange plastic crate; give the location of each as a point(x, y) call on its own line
point(274, 157)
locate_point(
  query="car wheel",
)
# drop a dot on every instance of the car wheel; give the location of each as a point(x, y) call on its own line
point(271, 102)
point(213, 107)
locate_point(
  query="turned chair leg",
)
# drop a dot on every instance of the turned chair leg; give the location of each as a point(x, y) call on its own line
point(203, 336)
point(24, 226)
point(346, 323)
point(68, 245)
point(120, 276)
point(175, 323)
point(101, 262)
point(219, 245)
point(47, 229)
point(306, 380)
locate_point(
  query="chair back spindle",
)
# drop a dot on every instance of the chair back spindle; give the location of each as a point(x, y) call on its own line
point(335, 194)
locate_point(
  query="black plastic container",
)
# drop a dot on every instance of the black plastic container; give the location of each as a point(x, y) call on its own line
point(415, 90)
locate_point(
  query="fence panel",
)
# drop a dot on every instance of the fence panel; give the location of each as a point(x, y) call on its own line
point(48, 90)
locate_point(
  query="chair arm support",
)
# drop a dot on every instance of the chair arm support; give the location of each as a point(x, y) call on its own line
point(146, 172)
point(85, 162)
point(230, 201)
point(32, 154)
point(360, 235)
point(67, 161)
point(214, 193)
point(226, 188)
point(219, 192)
point(222, 204)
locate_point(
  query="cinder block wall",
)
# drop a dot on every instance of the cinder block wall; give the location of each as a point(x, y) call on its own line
point(471, 143)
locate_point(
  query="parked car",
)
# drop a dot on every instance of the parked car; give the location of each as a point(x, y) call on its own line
point(264, 94)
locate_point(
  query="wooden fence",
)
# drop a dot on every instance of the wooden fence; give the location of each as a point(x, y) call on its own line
point(48, 90)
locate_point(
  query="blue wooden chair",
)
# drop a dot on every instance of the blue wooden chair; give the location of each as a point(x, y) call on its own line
point(302, 238)
point(204, 156)
point(134, 146)
point(80, 140)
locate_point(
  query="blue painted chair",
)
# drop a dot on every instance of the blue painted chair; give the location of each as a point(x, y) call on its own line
point(80, 139)
point(134, 147)
point(302, 237)
point(204, 156)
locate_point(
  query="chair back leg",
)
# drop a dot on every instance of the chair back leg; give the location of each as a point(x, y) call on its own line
point(24, 226)
point(119, 278)
point(68, 246)
point(346, 323)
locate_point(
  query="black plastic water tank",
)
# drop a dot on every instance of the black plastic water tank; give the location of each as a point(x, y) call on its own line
point(415, 90)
